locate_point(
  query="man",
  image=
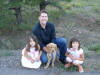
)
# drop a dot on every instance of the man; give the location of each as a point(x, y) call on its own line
point(45, 33)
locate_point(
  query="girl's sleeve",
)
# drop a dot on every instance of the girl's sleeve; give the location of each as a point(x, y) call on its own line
point(68, 50)
point(23, 50)
point(81, 51)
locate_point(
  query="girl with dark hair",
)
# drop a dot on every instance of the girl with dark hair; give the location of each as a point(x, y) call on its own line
point(31, 54)
point(75, 55)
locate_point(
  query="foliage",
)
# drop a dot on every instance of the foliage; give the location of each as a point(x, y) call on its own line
point(28, 8)
point(6, 44)
point(72, 68)
point(5, 53)
point(6, 20)
point(52, 11)
point(8, 14)
point(94, 47)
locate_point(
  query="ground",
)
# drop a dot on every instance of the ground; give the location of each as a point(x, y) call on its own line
point(91, 63)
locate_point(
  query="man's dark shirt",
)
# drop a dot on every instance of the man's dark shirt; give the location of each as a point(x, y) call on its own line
point(46, 35)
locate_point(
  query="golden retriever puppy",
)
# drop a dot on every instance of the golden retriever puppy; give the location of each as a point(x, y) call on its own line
point(52, 49)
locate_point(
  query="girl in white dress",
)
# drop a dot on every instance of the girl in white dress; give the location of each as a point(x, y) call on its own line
point(31, 54)
point(75, 54)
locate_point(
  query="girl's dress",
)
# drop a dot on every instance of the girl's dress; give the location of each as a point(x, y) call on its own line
point(27, 63)
point(75, 53)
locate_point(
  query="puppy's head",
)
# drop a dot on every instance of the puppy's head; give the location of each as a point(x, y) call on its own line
point(51, 47)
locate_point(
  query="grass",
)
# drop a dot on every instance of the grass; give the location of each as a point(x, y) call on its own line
point(98, 51)
point(61, 66)
point(5, 53)
point(95, 47)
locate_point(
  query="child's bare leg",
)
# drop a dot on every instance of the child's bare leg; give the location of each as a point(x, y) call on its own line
point(69, 60)
point(68, 65)
point(80, 68)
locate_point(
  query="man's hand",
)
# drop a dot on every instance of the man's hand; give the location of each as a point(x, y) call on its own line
point(45, 49)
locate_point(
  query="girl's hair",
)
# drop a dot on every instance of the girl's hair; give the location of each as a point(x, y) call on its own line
point(35, 40)
point(74, 40)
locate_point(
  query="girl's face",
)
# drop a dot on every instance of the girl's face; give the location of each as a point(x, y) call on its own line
point(43, 18)
point(75, 45)
point(32, 42)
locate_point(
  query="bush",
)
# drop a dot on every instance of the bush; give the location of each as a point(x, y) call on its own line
point(54, 12)
point(94, 47)
point(5, 53)
point(6, 44)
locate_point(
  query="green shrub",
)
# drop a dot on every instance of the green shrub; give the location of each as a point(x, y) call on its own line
point(94, 47)
point(98, 51)
point(65, 5)
point(54, 12)
point(7, 20)
point(24, 26)
point(72, 68)
point(6, 44)
point(76, 4)
point(5, 53)
point(98, 20)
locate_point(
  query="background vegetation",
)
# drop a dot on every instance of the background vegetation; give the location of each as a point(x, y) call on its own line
point(72, 18)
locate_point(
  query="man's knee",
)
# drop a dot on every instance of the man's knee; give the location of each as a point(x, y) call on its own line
point(44, 59)
point(63, 40)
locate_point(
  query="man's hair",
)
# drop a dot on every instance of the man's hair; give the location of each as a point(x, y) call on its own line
point(43, 11)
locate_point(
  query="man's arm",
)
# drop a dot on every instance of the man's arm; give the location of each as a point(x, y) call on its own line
point(45, 49)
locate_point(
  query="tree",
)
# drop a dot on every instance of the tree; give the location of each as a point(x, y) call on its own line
point(44, 3)
point(11, 10)
point(16, 6)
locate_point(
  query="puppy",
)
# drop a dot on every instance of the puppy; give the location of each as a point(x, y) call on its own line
point(52, 49)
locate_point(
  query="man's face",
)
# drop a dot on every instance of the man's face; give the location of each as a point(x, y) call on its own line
point(43, 18)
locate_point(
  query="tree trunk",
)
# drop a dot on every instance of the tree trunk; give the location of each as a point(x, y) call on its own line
point(43, 4)
point(18, 16)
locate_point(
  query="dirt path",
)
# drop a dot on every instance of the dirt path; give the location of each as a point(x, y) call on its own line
point(11, 71)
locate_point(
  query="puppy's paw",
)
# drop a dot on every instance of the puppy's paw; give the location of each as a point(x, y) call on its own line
point(52, 65)
point(45, 67)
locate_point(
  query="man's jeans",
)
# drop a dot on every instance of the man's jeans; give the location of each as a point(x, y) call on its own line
point(61, 44)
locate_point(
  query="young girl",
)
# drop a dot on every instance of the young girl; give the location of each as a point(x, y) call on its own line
point(75, 54)
point(31, 54)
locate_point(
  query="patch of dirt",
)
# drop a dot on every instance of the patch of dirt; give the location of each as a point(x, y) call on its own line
point(92, 62)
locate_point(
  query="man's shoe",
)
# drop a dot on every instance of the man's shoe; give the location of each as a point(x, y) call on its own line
point(63, 61)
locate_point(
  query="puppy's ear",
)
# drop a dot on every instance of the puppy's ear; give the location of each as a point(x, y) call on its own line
point(47, 46)
point(55, 46)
